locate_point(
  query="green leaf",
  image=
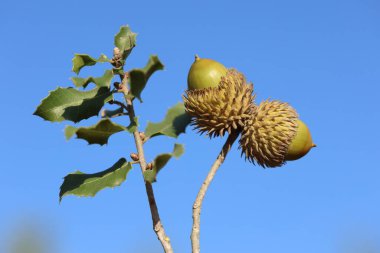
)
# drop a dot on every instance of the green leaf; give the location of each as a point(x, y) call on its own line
point(175, 123)
point(139, 77)
point(125, 40)
point(103, 81)
point(96, 134)
point(82, 60)
point(71, 104)
point(160, 161)
point(81, 184)
point(70, 131)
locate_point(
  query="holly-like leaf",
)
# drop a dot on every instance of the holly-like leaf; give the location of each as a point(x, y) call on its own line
point(125, 40)
point(100, 132)
point(103, 81)
point(82, 60)
point(96, 134)
point(81, 184)
point(175, 123)
point(139, 77)
point(71, 104)
point(160, 161)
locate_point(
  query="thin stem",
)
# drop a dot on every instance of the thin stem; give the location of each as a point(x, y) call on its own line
point(157, 225)
point(118, 103)
point(197, 206)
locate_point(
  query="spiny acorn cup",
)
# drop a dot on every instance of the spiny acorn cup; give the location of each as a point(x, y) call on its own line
point(220, 109)
point(268, 133)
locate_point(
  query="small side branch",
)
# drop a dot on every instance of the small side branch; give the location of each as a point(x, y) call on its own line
point(197, 206)
point(118, 103)
point(157, 225)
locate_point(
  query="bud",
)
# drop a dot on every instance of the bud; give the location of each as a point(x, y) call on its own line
point(134, 157)
point(149, 166)
point(142, 136)
point(116, 52)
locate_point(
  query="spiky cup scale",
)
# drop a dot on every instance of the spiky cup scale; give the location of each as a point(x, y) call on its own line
point(222, 109)
point(267, 134)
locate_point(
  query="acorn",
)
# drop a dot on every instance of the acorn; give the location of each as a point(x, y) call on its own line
point(301, 144)
point(267, 134)
point(274, 135)
point(216, 110)
point(205, 73)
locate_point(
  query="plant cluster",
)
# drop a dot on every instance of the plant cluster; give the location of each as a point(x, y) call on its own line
point(76, 104)
point(218, 101)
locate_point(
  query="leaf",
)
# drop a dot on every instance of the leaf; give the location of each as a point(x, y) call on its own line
point(175, 123)
point(70, 131)
point(125, 40)
point(96, 134)
point(81, 184)
point(82, 60)
point(139, 77)
point(71, 104)
point(103, 81)
point(160, 161)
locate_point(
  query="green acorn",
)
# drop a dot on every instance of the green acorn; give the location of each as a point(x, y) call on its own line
point(221, 109)
point(268, 133)
point(301, 143)
point(205, 73)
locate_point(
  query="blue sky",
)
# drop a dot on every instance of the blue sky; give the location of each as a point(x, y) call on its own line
point(320, 56)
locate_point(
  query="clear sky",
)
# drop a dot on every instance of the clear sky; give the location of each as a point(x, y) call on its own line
point(320, 56)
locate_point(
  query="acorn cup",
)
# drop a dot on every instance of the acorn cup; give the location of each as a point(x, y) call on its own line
point(221, 109)
point(274, 135)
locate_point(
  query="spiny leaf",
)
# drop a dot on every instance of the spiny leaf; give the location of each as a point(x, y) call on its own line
point(125, 40)
point(71, 104)
point(139, 77)
point(103, 81)
point(160, 161)
point(81, 184)
point(82, 60)
point(175, 123)
point(96, 134)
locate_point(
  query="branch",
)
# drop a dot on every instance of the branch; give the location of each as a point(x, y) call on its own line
point(157, 225)
point(118, 103)
point(197, 206)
